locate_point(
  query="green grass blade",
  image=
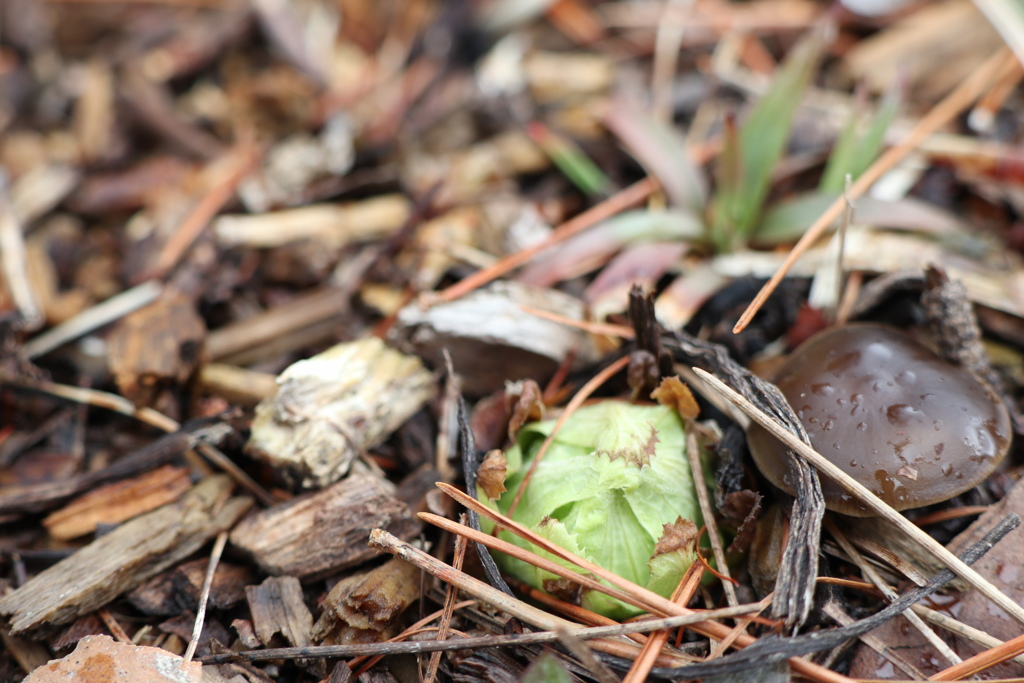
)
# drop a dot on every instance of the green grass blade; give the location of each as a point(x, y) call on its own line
point(571, 160)
point(762, 141)
point(854, 153)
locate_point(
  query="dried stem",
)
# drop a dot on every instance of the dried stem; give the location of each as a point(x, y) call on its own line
point(415, 647)
point(204, 596)
point(693, 451)
point(451, 594)
point(961, 629)
point(868, 572)
point(97, 316)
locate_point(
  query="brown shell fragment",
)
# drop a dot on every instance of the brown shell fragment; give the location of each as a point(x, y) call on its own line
point(911, 427)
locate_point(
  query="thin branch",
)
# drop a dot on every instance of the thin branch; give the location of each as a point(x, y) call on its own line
point(407, 634)
point(422, 646)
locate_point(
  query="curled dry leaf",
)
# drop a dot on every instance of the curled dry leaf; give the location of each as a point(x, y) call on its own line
point(743, 506)
point(673, 393)
point(491, 475)
point(524, 401)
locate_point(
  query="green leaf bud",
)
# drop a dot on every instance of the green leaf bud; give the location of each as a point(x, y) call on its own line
point(614, 484)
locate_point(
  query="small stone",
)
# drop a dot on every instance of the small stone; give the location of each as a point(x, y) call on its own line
point(101, 659)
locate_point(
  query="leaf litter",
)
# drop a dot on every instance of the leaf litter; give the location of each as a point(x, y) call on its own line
point(260, 228)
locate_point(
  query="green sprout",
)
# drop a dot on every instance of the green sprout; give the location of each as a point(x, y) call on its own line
point(615, 487)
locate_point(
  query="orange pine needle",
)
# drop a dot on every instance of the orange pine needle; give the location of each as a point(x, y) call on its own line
point(684, 592)
point(244, 160)
point(624, 593)
point(982, 660)
point(952, 513)
point(630, 196)
point(623, 331)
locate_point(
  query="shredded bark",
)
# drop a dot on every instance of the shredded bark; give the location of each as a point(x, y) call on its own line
point(799, 571)
point(471, 459)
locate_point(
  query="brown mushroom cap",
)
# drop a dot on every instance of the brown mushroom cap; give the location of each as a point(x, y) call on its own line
point(911, 427)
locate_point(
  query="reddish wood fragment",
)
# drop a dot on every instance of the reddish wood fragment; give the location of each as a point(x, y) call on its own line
point(115, 503)
point(89, 625)
point(156, 596)
point(129, 189)
point(40, 467)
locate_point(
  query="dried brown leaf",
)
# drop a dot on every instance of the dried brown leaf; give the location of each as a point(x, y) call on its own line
point(524, 401)
point(679, 535)
point(672, 392)
point(491, 475)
